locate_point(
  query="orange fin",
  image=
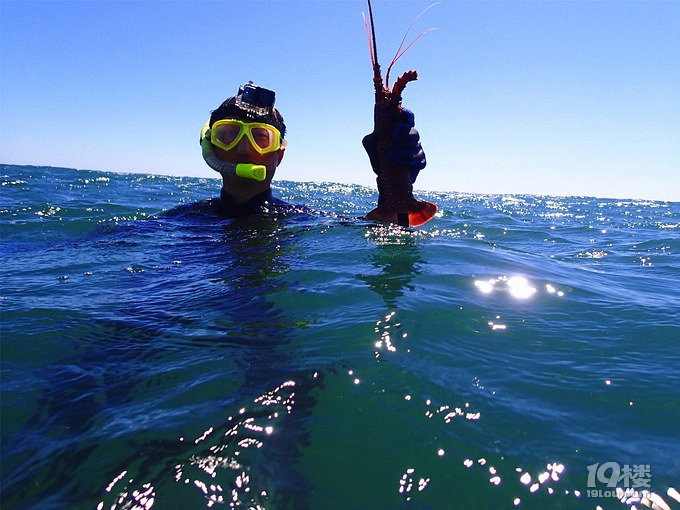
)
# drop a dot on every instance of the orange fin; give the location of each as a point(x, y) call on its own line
point(423, 215)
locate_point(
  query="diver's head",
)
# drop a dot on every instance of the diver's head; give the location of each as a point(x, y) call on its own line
point(245, 129)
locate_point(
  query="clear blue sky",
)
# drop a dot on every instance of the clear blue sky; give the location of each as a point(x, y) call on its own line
point(555, 98)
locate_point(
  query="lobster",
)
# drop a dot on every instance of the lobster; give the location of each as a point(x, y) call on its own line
point(396, 203)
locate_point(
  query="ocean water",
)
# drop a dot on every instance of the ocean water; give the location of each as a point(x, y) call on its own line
point(514, 352)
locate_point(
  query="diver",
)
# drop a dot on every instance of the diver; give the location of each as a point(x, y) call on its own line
point(244, 140)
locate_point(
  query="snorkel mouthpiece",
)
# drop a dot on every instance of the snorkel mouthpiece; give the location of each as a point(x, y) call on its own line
point(251, 171)
point(244, 170)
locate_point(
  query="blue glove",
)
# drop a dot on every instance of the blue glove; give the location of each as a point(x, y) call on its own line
point(405, 150)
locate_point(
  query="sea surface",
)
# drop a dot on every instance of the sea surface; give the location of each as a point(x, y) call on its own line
point(514, 352)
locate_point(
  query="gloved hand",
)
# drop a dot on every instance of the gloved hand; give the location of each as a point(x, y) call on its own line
point(405, 150)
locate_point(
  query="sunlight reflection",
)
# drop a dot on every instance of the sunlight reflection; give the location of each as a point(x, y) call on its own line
point(496, 326)
point(519, 287)
point(486, 287)
point(593, 254)
point(447, 413)
point(406, 483)
point(645, 261)
point(542, 481)
point(393, 235)
point(242, 431)
point(356, 380)
point(143, 498)
point(213, 457)
point(553, 290)
point(388, 334)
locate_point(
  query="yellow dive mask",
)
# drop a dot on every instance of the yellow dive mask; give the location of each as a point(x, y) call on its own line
point(227, 133)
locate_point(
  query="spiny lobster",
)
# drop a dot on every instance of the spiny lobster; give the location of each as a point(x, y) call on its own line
point(397, 204)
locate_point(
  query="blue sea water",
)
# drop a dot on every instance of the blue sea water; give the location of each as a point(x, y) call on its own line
point(155, 355)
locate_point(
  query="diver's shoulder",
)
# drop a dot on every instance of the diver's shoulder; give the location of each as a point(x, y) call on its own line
point(207, 207)
point(219, 207)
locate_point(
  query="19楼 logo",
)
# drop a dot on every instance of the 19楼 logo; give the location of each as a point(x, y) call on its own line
point(611, 474)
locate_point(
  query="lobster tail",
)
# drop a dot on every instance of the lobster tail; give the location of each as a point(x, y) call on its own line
point(413, 214)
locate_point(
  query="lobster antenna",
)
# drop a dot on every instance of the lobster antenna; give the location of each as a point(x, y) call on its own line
point(399, 52)
point(368, 36)
point(397, 57)
point(375, 47)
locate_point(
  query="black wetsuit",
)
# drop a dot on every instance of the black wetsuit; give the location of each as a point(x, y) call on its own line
point(227, 207)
